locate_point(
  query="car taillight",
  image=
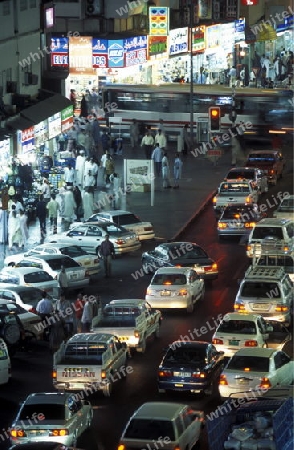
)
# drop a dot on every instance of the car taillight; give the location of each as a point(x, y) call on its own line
point(120, 241)
point(214, 200)
point(121, 447)
point(54, 374)
point(149, 292)
point(281, 308)
point(182, 292)
point(136, 334)
point(103, 375)
point(211, 268)
point(248, 199)
point(251, 343)
point(33, 310)
point(223, 380)
point(239, 307)
point(61, 432)
point(265, 383)
point(271, 171)
point(249, 224)
point(164, 373)
point(198, 375)
point(177, 448)
point(17, 433)
point(217, 341)
point(222, 225)
point(249, 248)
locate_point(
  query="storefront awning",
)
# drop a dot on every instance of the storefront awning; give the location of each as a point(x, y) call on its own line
point(268, 33)
point(45, 108)
point(20, 123)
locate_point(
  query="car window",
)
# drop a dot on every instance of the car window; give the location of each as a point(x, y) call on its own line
point(31, 296)
point(150, 429)
point(169, 279)
point(55, 264)
point(290, 229)
point(3, 354)
point(246, 175)
point(193, 276)
point(240, 213)
point(7, 295)
point(182, 355)
point(261, 232)
point(287, 205)
point(37, 277)
point(125, 219)
point(234, 188)
point(93, 231)
point(179, 251)
point(252, 363)
point(113, 230)
point(49, 251)
point(237, 327)
point(260, 289)
point(280, 359)
point(78, 231)
point(29, 263)
point(50, 411)
point(72, 251)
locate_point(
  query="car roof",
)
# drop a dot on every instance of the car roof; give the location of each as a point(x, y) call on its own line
point(48, 257)
point(191, 344)
point(96, 223)
point(101, 338)
point(159, 410)
point(240, 316)
point(177, 244)
point(173, 270)
point(56, 398)
point(262, 352)
point(243, 169)
point(274, 222)
point(20, 270)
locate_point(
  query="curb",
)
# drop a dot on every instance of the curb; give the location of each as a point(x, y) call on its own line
point(194, 216)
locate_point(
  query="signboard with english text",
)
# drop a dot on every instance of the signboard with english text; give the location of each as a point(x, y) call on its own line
point(178, 41)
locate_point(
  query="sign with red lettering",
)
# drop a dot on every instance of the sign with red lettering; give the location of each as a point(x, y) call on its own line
point(249, 2)
point(28, 140)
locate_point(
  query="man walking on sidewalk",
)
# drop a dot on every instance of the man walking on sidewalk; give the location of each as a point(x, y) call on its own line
point(157, 156)
point(147, 144)
point(107, 252)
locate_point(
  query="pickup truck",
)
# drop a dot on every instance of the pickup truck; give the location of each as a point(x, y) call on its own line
point(89, 362)
point(270, 424)
point(271, 162)
point(235, 191)
point(131, 320)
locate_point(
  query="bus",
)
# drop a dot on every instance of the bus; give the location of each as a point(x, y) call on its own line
point(268, 110)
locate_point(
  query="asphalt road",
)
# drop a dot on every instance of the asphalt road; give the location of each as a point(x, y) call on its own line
point(31, 372)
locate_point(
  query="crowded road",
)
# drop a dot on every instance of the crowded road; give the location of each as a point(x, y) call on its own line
point(31, 371)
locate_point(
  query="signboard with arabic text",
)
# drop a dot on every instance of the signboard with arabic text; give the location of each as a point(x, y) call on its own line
point(198, 39)
point(100, 52)
point(157, 45)
point(135, 50)
point(178, 41)
point(81, 55)
point(41, 133)
point(116, 53)
point(59, 51)
point(67, 118)
point(27, 140)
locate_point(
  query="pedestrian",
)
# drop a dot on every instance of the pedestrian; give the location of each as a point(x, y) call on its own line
point(73, 98)
point(87, 316)
point(147, 144)
point(161, 126)
point(242, 77)
point(53, 208)
point(79, 307)
point(109, 168)
point(160, 139)
point(88, 203)
point(107, 252)
point(105, 138)
point(79, 203)
point(80, 168)
point(69, 207)
point(46, 191)
point(233, 75)
point(96, 135)
point(165, 172)
point(157, 156)
point(14, 233)
point(65, 310)
point(41, 213)
point(116, 189)
point(63, 281)
point(84, 106)
point(45, 309)
point(23, 228)
point(178, 164)
point(69, 175)
point(91, 171)
point(134, 134)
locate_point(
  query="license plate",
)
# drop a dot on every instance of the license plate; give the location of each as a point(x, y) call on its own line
point(182, 374)
point(39, 432)
point(242, 382)
point(165, 293)
point(233, 342)
point(261, 306)
point(179, 385)
point(236, 225)
point(74, 276)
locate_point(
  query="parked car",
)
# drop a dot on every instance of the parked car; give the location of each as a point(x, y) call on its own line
point(238, 220)
point(56, 417)
point(164, 424)
point(193, 366)
point(175, 288)
point(30, 276)
point(180, 254)
point(255, 369)
point(89, 236)
point(271, 162)
point(128, 220)
point(77, 276)
point(28, 319)
point(285, 210)
point(90, 262)
point(26, 297)
point(254, 174)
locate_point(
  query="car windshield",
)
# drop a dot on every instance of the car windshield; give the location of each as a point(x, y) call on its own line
point(287, 205)
point(237, 327)
point(149, 429)
point(259, 289)
point(182, 355)
point(169, 279)
point(261, 158)
point(56, 264)
point(125, 219)
point(88, 352)
point(252, 363)
point(72, 251)
point(234, 188)
point(37, 277)
point(266, 232)
point(50, 411)
point(244, 175)
point(242, 213)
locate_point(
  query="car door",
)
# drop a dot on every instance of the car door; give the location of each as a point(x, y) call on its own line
point(195, 284)
point(74, 416)
point(119, 354)
point(93, 237)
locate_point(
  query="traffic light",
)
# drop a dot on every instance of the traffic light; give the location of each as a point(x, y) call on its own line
point(214, 114)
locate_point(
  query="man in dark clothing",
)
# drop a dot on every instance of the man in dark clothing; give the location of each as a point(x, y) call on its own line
point(41, 213)
point(107, 252)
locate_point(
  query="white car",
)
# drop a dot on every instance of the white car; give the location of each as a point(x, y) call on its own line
point(29, 320)
point(128, 220)
point(89, 236)
point(230, 192)
point(90, 262)
point(53, 417)
point(26, 297)
point(175, 288)
point(163, 425)
point(285, 210)
point(254, 174)
point(29, 276)
point(255, 370)
point(239, 330)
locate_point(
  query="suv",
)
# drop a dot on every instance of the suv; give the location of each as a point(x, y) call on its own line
point(278, 230)
point(270, 161)
point(267, 291)
point(230, 192)
point(163, 425)
point(258, 177)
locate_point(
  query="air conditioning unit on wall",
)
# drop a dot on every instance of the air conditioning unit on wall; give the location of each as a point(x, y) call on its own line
point(94, 7)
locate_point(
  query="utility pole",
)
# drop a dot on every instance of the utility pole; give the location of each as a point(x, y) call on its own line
point(191, 76)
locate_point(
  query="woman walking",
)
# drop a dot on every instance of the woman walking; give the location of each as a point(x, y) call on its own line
point(177, 170)
point(165, 172)
point(23, 228)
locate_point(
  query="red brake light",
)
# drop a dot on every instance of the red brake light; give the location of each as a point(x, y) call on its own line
point(198, 375)
point(251, 343)
point(164, 373)
point(217, 341)
point(265, 383)
point(223, 380)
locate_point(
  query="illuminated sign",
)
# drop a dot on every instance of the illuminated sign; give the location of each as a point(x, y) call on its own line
point(198, 39)
point(178, 41)
point(67, 118)
point(54, 123)
point(116, 53)
point(249, 2)
point(135, 50)
point(59, 51)
point(100, 53)
point(157, 45)
point(81, 55)
point(158, 21)
point(41, 133)
point(27, 140)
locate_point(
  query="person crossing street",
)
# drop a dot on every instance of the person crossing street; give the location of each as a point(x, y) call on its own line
point(107, 252)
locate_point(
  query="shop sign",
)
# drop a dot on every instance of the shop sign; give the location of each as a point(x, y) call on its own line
point(178, 41)
point(54, 124)
point(249, 2)
point(212, 36)
point(205, 9)
point(198, 39)
point(100, 49)
point(158, 21)
point(116, 53)
point(227, 36)
point(287, 23)
point(59, 51)
point(157, 45)
point(5, 152)
point(41, 133)
point(67, 118)
point(27, 140)
point(135, 50)
point(81, 55)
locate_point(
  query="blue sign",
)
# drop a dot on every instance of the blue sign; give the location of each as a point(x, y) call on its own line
point(240, 26)
point(116, 53)
point(100, 46)
point(135, 43)
point(59, 45)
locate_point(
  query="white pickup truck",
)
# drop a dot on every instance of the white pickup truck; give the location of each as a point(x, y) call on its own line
point(131, 320)
point(89, 362)
point(235, 191)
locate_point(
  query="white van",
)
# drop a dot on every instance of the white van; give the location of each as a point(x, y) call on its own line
point(5, 366)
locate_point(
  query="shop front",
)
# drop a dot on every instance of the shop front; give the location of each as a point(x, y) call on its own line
point(157, 58)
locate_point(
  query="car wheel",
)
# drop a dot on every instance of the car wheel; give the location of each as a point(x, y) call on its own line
point(11, 334)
